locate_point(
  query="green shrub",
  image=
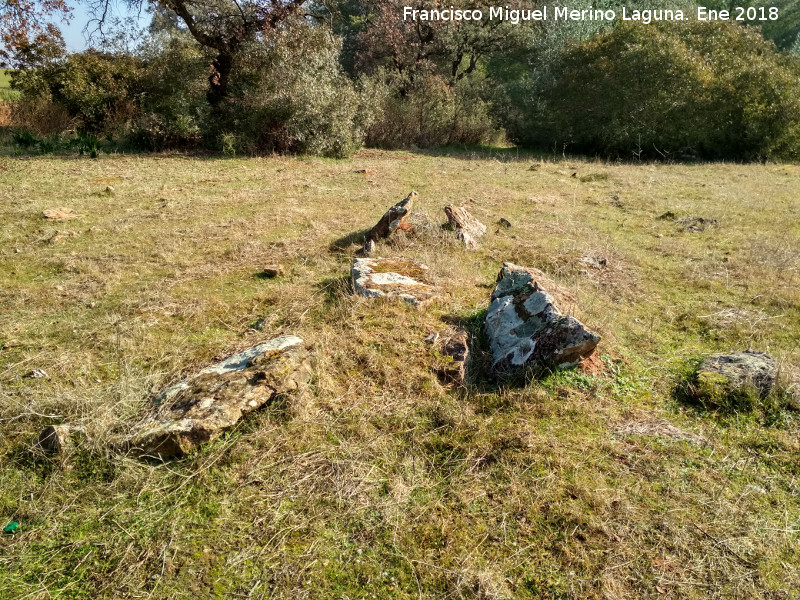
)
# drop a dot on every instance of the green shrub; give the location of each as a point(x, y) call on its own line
point(173, 109)
point(714, 90)
point(98, 90)
point(291, 96)
point(427, 112)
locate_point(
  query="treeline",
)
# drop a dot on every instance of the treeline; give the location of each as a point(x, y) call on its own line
point(324, 79)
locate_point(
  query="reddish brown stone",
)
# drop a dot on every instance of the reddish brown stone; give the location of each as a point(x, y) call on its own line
point(393, 219)
point(468, 228)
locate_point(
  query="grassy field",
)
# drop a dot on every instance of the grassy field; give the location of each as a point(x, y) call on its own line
point(6, 93)
point(377, 481)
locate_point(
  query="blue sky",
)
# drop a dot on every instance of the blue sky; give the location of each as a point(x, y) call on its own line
point(74, 33)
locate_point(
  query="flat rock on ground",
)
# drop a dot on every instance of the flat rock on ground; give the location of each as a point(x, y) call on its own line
point(526, 328)
point(391, 278)
point(468, 228)
point(720, 376)
point(201, 408)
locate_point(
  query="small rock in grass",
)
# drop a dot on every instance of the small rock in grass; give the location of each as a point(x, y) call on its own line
point(504, 223)
point(734, 381)
point(59, 439)
point(272, 271)
point(594, 261)
point(60, 214)
point(696, 224)
point(456, 348)
point(60, 236)
point(652, 426)
point(38, 374)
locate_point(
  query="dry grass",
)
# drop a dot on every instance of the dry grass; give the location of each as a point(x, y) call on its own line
point(378, 481)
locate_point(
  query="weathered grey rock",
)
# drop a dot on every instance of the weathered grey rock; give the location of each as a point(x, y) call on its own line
point(722, 378)
point(468, 229)
point(455, 347)
point(59, 439)
point(526, 328)
point(199, 409)
point(393, 219)
point(391, 278)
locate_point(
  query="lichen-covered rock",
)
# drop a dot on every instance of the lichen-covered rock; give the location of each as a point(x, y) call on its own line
point(526, 328)
point(393, 219)
point(391, 278)
point(734, 380)
point(468, 228)
point(199, 409)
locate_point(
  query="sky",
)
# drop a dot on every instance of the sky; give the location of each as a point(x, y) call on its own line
point(75, 34)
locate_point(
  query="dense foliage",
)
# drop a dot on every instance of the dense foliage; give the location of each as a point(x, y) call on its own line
point(351, 72)
point(712, 90)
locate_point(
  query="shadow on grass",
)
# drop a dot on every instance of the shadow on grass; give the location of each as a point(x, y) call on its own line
point(501, 153)
point(512, 154)
point(335, 290)
point(346, 242)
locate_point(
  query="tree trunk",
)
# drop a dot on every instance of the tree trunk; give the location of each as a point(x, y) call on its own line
point(218, 80)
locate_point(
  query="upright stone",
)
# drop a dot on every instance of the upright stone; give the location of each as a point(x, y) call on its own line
point(393, 219)
point(468, 229)
point(201, 408)
point(526, 328)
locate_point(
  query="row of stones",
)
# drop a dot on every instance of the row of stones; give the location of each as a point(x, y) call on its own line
point(524, 324)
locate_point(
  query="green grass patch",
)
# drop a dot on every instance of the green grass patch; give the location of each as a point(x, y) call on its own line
point(378, 481)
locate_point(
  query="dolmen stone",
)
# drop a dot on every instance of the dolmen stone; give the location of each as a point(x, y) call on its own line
point(526, 328)
point(201, 408)
point(394, 219)
point(730, 380)
point(468, 229)
point(391, 278)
